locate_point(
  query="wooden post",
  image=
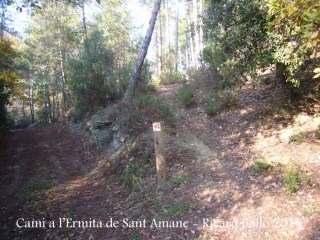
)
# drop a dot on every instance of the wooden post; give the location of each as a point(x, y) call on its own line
point(159, 150)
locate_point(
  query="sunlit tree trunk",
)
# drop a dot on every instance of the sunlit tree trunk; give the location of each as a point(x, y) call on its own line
point(53, 105)
point(84, 24)
point(63, 75)
point(187, 52)
point(31, 98)
point(161, 43)
point(196, 33)
point(177, 36)
point(168, 47)
point(201, 29)
point(190, 38)
point(3, 18)
point(143, 52)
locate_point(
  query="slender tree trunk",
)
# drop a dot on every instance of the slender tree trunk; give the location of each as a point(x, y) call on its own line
point(84, 24)
point(143, 52)
point(157, 53)
point(161, 41)
point(49, 116)
point(196, 33)
point(280, 75)
point(63, 76)
point(3, 18)
point(23, 107)
point(190, 38)
point(201, 29)
point(53, 106)
point(177, 36)
point(187, 52)
point(168, 47)
point(31, 101)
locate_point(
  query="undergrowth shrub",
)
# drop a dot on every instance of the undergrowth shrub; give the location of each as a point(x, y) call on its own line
point(131, 176)
point(218, 102)
point(34, 186)
point(95, 78)
point(261, 166)
point(146, 109)
point(294, 177)
point(200, 75)
point(172, 77)
point(186, 95)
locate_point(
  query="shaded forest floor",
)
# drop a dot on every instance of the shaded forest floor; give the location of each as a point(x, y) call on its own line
point(211, 176)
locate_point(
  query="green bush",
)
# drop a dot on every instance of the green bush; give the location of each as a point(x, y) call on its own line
point(177, 209)
point(95, 77)
point(219, 102)
point(172, 77)
point(297, 138)
point(199, 75)
point(34, 186)
point(262, 167)
point(293, 177)
point(130, 176)
point(318, 135)
point(22, 123)
point(186, 95)
point(179, 179)
point(146, 109)
point(290, 179)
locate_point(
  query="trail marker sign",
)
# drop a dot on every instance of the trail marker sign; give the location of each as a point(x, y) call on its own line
point(159, 151)
point(156, 127)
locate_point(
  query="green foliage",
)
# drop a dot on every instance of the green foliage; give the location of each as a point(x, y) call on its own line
point(290, 180)
point(102, 137)
point(236, 32)
point(8, 78)
point(186, 95)
point(146, 109)
point(218, 102)
point(131, 176)
point(92, 79)
point(171, 77)
point(318, 135)
point(297, 138)
point(23, 123)
point(34, 186)
point(243, 36)
point(260, 167)
point(179, 179)
point(294, 177)
point(176, 209)
point(294, 32)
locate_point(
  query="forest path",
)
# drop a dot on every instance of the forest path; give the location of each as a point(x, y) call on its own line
point(214, 157)
point(46, 173)
point(224, 186)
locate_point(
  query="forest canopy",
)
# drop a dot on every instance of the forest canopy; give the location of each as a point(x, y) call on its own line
point(69, 64)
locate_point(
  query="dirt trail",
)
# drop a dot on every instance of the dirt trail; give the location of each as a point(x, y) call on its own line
point(32, 156)
point(224, 186)
point(217, 153)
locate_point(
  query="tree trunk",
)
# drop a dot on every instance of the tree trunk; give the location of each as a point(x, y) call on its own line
point(143, 52)
point(168, 47)
point(161, 42)
point(196, 33)
point(31, 101)
point(3, 18)
point(177, 36)
point(280, 74)
point(190, 38)
point(84, 24)
point(201, 29)
point(63, 76)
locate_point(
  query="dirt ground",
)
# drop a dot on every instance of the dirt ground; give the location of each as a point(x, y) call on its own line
point(223, 196)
